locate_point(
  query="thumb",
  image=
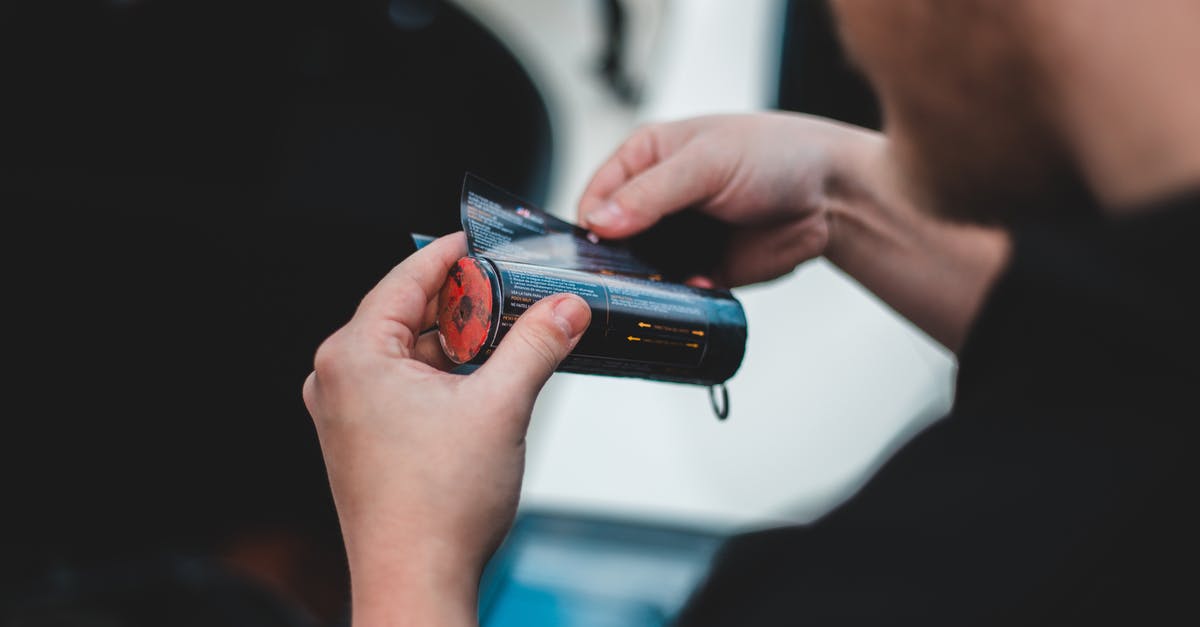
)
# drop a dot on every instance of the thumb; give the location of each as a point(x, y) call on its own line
point(536, 344)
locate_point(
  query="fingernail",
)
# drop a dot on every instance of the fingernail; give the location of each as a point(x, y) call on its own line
point(606, 215)
point(572, 315)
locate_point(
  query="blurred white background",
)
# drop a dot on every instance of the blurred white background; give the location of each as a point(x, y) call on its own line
point(832, 381)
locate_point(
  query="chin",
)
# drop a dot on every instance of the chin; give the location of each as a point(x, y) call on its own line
point(1011, 198)
point(997, 182)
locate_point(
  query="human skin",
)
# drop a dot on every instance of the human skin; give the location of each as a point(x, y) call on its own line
point(791, 188)
point(425, 466)
point(996, 112)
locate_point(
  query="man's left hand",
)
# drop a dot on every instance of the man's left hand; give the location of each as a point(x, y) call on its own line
point(426, 466)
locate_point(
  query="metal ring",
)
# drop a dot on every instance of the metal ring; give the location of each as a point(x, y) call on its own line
point(720, 409)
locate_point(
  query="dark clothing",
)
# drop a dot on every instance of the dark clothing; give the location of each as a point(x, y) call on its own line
point(1060, 488)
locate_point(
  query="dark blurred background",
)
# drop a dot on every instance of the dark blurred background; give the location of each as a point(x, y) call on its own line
point(197, 193)
point(209, 188)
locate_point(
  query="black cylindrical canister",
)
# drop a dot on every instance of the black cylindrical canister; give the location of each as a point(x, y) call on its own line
point(640, 328)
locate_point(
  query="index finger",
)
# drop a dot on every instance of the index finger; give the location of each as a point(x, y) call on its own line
point(641, 150)
point(404, 294)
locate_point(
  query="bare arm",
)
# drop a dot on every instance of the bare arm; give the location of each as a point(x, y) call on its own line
point(933, 272)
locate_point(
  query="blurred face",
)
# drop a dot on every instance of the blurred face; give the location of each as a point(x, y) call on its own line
point(963, 106)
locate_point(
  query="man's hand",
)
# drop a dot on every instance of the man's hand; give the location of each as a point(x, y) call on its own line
point(426, 466)
point(794, 187)
point(774, 177)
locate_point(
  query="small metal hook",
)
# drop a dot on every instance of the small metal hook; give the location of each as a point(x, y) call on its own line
point(720, 409)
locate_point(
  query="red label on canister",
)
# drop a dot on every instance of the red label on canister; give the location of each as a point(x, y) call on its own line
point(465, 307)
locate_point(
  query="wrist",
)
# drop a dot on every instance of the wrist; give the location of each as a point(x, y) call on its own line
point(425, 582)
point(934, 273)
point(856, 190)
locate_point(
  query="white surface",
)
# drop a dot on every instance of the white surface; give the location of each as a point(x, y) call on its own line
point(832, 379)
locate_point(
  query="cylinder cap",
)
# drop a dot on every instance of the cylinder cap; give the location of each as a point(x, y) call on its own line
point(465, 307)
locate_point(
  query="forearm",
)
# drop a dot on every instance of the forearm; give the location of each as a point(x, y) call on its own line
point(396, 594)
point(424, 608)
point(932, 272)
point(402, 573)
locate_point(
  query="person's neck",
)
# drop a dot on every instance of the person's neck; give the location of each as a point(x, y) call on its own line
point(1126, 92)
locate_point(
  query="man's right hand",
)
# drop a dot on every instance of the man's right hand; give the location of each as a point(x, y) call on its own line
point(774, 177)
point(794, 187)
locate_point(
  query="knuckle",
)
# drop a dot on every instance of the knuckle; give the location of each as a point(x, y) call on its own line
point(636, 197)
point(330, 356)
point(706, 149)
point(640, 198)
point(411, 296)
point(308, 392)
point(543, 343)
point(640, 149)
point(402, 339)
point(644, 133)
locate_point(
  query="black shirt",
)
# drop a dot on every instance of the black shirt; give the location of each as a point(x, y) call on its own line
point(1059, 490)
